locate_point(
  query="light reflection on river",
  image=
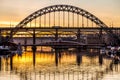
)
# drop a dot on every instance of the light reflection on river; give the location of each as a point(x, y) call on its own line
point(58, 65)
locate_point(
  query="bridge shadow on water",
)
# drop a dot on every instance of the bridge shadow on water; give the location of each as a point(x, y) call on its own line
point(58, 64)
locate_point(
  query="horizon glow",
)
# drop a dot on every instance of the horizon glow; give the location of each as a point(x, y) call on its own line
point(12, 11)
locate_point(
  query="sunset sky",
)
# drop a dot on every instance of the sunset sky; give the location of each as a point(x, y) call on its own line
point(13, 11)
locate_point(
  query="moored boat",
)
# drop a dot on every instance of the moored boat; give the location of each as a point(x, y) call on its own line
point(7, 48)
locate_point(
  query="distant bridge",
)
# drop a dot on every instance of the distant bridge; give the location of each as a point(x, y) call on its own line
point(67, 44)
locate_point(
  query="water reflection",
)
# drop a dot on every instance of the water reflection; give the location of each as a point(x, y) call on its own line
point(57, 65)
point(34, 56)
point(0, 63)
point(57, 56)
point(78, 57)
point(100, 59)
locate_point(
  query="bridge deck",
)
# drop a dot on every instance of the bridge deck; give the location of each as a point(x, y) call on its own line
point(59, 45)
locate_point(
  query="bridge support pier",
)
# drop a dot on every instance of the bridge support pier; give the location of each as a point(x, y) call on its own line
point(25, 42)
point(78, 35)
point(34, 47)
point(56, 34)
point(101, 35)
point(34, 42)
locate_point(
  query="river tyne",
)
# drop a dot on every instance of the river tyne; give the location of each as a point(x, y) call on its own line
point(58, 64)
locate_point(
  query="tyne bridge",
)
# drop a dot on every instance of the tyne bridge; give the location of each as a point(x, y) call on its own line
point(62, 23)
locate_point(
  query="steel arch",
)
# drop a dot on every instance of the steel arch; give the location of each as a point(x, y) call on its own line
point(67, 8)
